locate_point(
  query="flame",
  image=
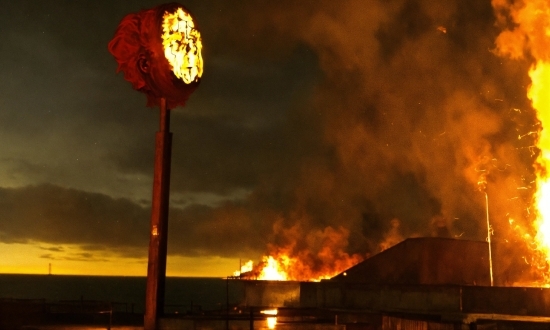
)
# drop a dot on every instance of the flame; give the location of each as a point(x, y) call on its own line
point(527, 32)
point(274, 270)
point(282, 267)
point(246, 268)
point(182, 45)
point(323, 256)
point(539, 94)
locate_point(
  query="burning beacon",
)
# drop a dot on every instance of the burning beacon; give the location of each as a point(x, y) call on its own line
point(159, 51)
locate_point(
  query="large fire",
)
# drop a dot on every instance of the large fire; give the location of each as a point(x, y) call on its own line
point(529, 34)
point(182, 45)
point(539, 93)
point(323, 257)
point(285, 268)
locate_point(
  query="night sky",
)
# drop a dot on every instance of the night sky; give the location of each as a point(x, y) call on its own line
point(342, 126)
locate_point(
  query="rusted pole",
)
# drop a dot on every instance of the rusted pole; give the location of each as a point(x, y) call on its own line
point(156, 268)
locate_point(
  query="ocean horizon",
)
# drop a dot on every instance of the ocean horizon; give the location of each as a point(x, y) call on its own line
point(181, 293)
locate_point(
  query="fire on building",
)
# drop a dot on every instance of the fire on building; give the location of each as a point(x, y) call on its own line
point(420, 283)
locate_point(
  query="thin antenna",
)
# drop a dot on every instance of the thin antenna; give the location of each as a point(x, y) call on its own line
point(50, 268)
point(489, 237)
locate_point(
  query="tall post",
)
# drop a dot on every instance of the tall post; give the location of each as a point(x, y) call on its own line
point(489, 238)
point(156, 268)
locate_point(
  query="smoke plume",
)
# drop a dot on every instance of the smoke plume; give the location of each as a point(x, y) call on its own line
point(414, 119)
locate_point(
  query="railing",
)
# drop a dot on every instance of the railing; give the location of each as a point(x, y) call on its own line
point(41, 312)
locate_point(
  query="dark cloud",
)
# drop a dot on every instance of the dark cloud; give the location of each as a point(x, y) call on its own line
point(53, 249)
point(84, 256)
point(48, 213)
point(97, 223)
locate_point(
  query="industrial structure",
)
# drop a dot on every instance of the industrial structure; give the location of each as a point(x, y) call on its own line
point(420, 283)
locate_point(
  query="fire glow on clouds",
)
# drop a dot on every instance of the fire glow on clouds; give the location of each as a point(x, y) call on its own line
point(319, 135)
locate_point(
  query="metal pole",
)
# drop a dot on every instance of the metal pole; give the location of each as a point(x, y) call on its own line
point(251, 318)
point(156, 268)
point(489, 237)
point(227, 303)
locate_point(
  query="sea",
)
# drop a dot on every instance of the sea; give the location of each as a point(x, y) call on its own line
point(181, 294)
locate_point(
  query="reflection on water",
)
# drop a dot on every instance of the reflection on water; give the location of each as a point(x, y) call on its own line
point(271, 321)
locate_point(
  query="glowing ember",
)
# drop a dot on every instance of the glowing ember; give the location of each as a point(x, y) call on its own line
point(182, 45)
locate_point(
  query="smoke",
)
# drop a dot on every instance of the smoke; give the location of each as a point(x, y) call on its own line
point(412, 111)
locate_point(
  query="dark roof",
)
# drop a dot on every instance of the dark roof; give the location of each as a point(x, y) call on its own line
point(432, 260)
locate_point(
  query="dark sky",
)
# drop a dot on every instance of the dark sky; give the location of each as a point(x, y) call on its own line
point(316, 124)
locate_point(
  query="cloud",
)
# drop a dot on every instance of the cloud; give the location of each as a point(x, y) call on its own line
point(84, 256)
point(53, 249)
point(100, 225)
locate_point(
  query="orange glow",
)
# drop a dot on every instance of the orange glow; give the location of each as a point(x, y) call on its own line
point(324, 257)
point(529, 34)
point(182, 45)
point(539, 93)
point(247, 267)
point(269, 312)
point(285, 268)
point(272, 320)
point(35, 257)
point(274, 270)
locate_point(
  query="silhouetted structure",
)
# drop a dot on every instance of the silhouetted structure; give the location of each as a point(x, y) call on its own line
point(440, 261)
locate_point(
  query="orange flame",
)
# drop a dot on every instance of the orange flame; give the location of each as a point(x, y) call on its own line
point(530, 33)
point(322, 257)
point(539, 93)
point(274, 270)
point(182, 45)
point(246, 268)
point(282, 267)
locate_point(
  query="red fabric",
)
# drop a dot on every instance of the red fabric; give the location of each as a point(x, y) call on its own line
point(139, 36)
